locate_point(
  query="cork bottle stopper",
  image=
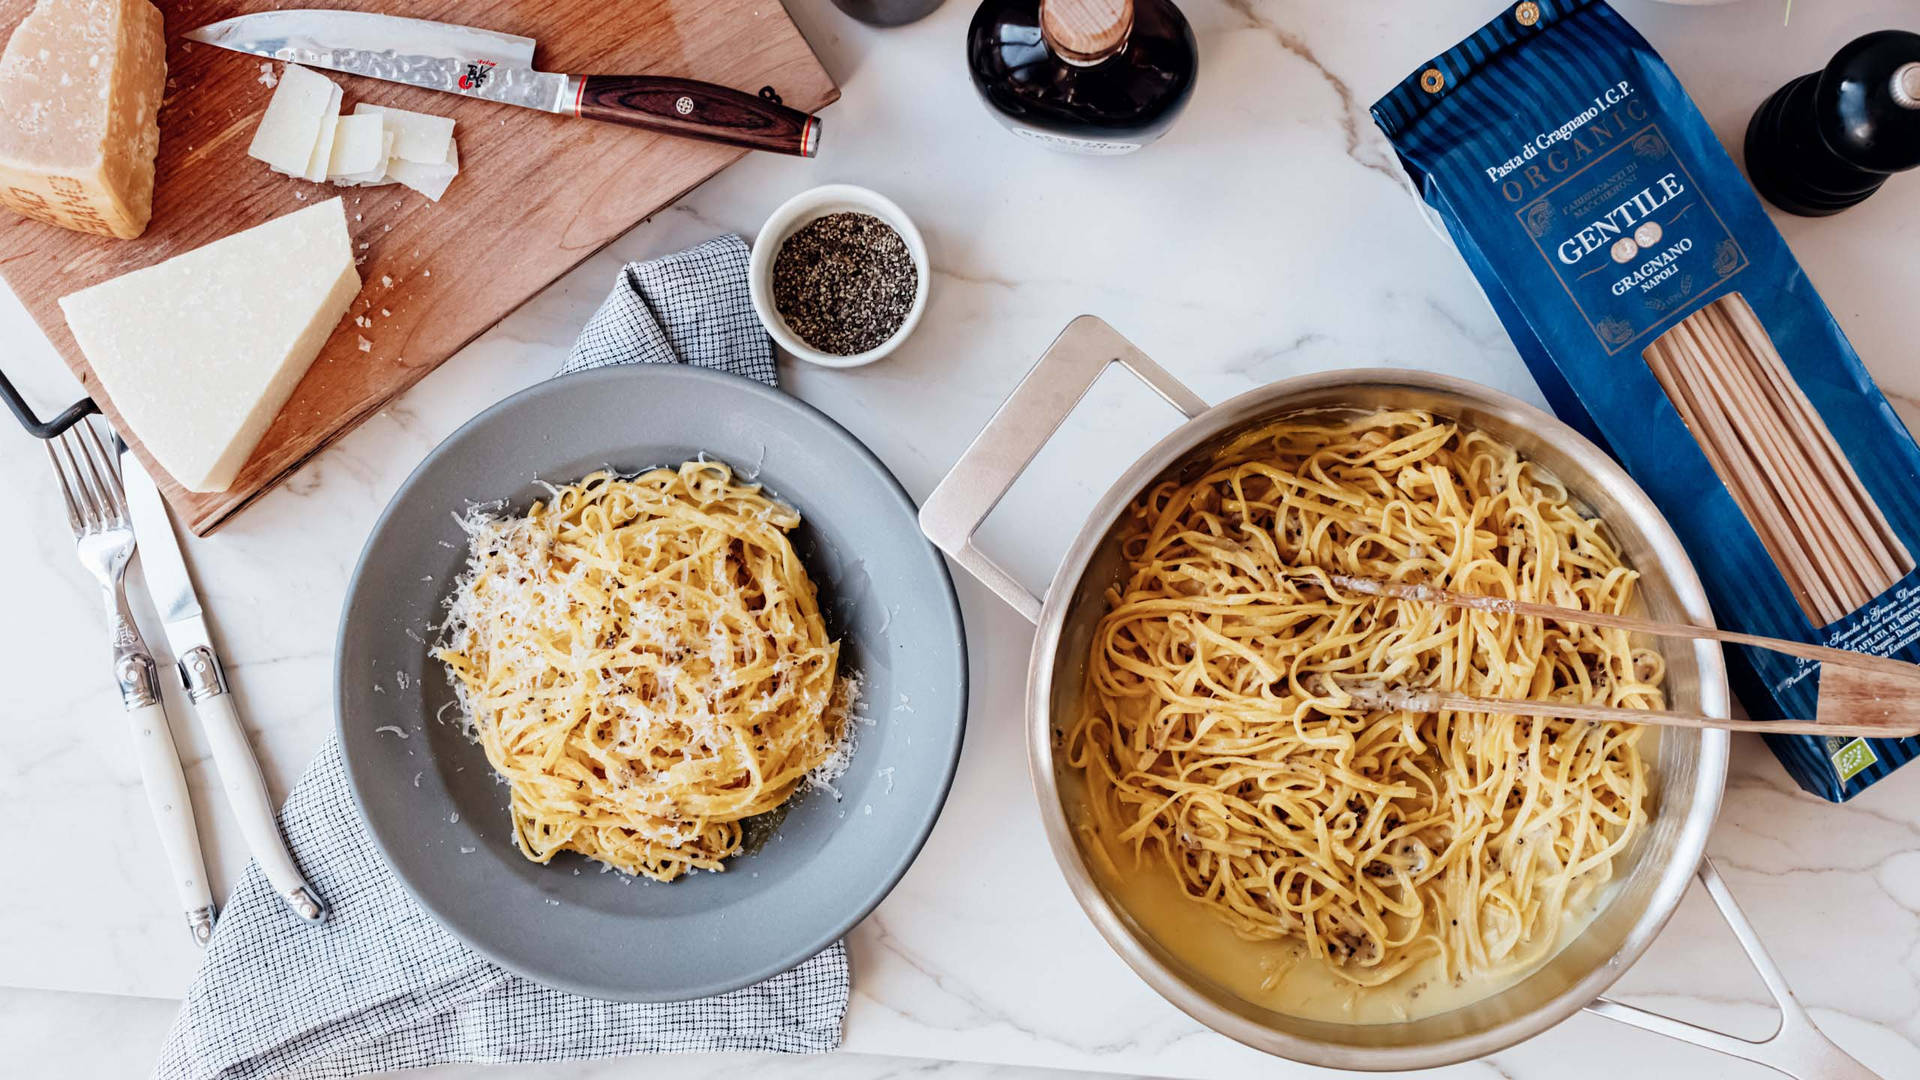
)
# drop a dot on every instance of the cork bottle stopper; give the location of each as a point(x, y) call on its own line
point(1906, 86)
point(1086, 30)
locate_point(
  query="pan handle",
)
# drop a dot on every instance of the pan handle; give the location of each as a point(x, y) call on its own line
point(1796, 1048)
point(36, 427)
point(1024, 424)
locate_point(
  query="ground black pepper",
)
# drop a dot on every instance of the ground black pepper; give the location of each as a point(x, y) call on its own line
point(844, 283)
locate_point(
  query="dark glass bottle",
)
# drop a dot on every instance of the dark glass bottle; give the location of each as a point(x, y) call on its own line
point(887, 12)
point(1827, 140)
point(1089, 76)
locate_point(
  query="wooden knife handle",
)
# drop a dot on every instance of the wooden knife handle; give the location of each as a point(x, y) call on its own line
point(698, 110)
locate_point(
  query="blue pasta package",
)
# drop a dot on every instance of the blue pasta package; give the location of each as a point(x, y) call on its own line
point(1664, 316)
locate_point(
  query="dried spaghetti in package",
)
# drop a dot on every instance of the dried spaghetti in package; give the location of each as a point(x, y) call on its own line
point(1663, 316)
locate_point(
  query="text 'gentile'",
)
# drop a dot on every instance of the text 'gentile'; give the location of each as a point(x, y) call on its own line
point(1620, 220)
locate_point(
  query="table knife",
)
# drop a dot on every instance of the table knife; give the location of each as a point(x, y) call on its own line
point(206, 685)
point(498, 67)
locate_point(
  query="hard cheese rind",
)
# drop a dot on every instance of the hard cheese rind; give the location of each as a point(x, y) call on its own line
point(200, 352)
point(80, 89)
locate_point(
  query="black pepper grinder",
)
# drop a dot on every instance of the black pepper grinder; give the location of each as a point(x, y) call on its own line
point(1829, 139)
point(1086, 76)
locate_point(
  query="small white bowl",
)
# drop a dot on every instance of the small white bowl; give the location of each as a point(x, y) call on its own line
point(796, 213)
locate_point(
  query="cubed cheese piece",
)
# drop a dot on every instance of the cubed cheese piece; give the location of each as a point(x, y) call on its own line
point(360, 144)
point(428, 180)
point(198, 353)
point(80, 88)
point(418, 137)
point(316, 170)
point(378, 173)
point(290, 128)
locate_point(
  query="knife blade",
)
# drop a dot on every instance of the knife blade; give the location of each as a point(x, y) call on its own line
point(185, 625)
point(366, 31)
point(160, 558)
point(417, 52)
point(499, 67)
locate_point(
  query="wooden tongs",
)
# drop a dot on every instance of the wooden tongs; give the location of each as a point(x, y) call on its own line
point(1860, 695)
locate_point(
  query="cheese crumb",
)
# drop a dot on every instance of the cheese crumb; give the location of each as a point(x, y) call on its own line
point(848, 710)
point(267, 77)
point(362, 343)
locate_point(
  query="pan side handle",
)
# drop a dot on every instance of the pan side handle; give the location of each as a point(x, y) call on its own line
point(1796, 1048)
point(1022, 426)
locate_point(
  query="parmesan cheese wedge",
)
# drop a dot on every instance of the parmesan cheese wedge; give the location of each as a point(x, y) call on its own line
point(80, 88)
point(199, 353)
point(290, 128)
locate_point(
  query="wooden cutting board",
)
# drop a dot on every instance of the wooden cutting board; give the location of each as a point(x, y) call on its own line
point(537, 193)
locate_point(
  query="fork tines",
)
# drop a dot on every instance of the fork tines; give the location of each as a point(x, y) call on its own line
point(89, 479)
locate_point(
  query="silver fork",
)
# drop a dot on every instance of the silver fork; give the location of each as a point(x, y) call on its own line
point(97, 510)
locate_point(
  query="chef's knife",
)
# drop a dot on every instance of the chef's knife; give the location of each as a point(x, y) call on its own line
point(206, 685)
point(499, 67)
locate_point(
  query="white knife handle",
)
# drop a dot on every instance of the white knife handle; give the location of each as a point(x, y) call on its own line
point(166, 786)
point(246, 788)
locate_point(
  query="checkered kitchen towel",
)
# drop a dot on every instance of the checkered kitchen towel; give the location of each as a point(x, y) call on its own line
point(381, 986)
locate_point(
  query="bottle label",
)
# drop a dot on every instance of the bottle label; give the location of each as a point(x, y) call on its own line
point(1074, 145)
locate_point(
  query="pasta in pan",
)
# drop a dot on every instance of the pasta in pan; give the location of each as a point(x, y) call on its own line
point(1225, 736)
point(645, 664)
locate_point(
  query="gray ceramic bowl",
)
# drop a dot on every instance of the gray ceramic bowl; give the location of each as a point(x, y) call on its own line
point(432, 804)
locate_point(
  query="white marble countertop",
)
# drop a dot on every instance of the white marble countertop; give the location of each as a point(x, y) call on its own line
point(1266, 236)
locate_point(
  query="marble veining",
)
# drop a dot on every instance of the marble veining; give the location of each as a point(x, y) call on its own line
point(1269, 234)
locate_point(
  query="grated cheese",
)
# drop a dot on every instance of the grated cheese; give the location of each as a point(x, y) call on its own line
point(848, 712)
point(640, 651)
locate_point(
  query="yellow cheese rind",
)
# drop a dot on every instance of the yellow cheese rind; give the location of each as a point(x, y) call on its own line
point(199, 353)
point(80, 89)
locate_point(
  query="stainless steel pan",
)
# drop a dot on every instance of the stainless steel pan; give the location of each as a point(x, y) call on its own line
point(1690, 767)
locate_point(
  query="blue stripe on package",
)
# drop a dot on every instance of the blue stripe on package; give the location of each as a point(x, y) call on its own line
point(1598, 210)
